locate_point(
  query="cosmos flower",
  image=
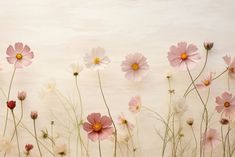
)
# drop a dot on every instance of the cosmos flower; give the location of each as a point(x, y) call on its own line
point(183, 56)
point(225, 103)
point(20, 55)
point(97, 59)
point(135, 66)
point(206, 82)
point(179, 105)
point(123, 122)
point(76, 69)
point(135, 104)
point(231, 66)
point(211, 139)
point(98, 127)
point(6, 145)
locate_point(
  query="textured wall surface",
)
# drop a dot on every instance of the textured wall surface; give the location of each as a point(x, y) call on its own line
point(60, 32)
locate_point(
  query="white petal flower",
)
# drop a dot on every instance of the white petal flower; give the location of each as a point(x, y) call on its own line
point(179, 105)
point(76, 69)
point(97, 59)
point(60, 149)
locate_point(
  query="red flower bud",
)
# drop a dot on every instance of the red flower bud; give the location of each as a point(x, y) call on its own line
point(11, 104)
point(34, 115)
point(28, 147)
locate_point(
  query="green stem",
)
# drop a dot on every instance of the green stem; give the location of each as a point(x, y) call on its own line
point(100, 149)
point(198, 74)
point(8, 97)
point(132, 142)
point(17, 138)
point(107, 107)
point(35, 133)
point(195, 139)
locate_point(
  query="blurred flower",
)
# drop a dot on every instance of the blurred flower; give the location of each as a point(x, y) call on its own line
point(98, 127)
point(34, 115)
point(135, 65)
point(28, 148)
point(11, 104)
point(97, 59)
point(211, 138)
point(206, 82)
point(22, 95)
point(123, 122)
point(60, 149)
point(190, 121)
point(44, 134)
point(226, 103)
point(6, 145)
point(135, 104)
point(179, 105)
point(231, 66)
point(20, 55)
point(76, 69)
point(183, 55)
point(224, 121)
point(168, 74)
point(208, 45)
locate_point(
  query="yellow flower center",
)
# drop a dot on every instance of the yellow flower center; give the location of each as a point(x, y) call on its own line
point(206, 82)
point(19, 56)
point(226, 104)
point(124, 121)
point(184, 56)
point(135, 66)
point(97, 60)
point(97, 127)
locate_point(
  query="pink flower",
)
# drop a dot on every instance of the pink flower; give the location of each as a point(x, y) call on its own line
point(206, 82)
point(226, 103)
point(211, 138)
point(123, 122)
point(135, 65)
point(20, 55)
point(183, 55)
point(231, 66)
point(34, 115)
point(97, 59)
point(22, 95)
point(98, 127)
point(11, 104)
point(135, 104)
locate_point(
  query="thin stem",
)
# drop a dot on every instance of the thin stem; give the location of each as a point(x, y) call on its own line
point(222, 139)
point(107, 107)
point(139, 145)
point(204, 105)
point(8, 97)
point(21, 117)
point(198, 74)
point(132, 142)
point(35, 133)
point(195, 139)
point(17, 138)
point(100, 149)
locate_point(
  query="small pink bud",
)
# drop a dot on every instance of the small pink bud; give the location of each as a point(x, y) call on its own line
point(208, 45)
point(34, 115)
point(21, 95)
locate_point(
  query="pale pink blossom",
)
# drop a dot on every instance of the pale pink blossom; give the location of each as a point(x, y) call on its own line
point(97, 59)
point(225, 104)
point(231, 66)
point(206, 82)
point(135, 66)
point(20, 55)
point(98, 127)
point(183, 56)
point(135, 104)
point(124, 123)
point(211, 139)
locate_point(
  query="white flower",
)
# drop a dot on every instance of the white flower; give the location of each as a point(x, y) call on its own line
point(60, 149)
point(76, 69)
point(179, 105)
point(97, 59)
point(6, 145)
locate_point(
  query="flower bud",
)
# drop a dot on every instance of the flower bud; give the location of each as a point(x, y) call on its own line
point(34, 115)
point(21, 95)
point(190, 121)
point(208, 45)
point(28, 147)
point(224, 121)
point(11, 104)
